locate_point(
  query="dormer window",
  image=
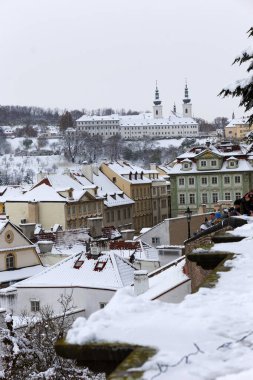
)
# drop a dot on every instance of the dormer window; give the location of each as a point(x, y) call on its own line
point(78, 264)
point(232, 162)
point(100, 266)
point(186, 164)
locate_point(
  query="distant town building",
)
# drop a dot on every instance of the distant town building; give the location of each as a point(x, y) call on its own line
point(238, 128)
point(145, 187)
point(145, 124)
point(208, 174)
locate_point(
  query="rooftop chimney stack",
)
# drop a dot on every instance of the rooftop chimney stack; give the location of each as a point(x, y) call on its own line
point(141, 284)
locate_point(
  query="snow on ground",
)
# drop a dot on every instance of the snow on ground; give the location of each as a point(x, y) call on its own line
point(177, 142)
point(17, 142)
point(52, 164)
point(213, 326)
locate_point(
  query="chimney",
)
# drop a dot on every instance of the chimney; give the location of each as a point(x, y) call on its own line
point(87, 171)
point(95, 169)
point(70, 193)
point(152, 166)
point(140, 282)
point(208, 143)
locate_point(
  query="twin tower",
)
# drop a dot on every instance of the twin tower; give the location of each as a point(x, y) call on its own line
point(158, 108)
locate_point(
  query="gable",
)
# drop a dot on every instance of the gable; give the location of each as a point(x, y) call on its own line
point(207, 155)
point(11, 237)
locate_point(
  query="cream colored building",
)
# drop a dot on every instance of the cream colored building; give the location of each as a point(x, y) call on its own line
point(238, 128)
point(52, 202)
point(18, 256)
point(136, 186)
point(118, 207)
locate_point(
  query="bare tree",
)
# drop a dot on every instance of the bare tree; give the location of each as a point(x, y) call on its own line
point(29, 352)
point(113, 147)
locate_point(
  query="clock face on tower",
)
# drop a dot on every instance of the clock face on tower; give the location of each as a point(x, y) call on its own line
point(9, 236)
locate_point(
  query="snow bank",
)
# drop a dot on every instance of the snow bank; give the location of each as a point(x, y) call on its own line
point(214, 325)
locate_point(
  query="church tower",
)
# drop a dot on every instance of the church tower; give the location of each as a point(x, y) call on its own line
point(187, 106)
point(157, 107)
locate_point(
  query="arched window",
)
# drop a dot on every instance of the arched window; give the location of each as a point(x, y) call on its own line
point(10, 262)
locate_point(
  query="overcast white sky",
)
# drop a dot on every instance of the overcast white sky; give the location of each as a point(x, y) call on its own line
point(109, 53)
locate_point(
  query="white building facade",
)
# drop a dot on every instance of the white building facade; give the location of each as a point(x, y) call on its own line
point(145, 124)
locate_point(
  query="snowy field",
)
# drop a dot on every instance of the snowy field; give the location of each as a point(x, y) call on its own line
point(176, 142)
point(46, 164)
point(208, 336)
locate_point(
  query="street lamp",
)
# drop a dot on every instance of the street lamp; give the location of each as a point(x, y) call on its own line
point(188, 214)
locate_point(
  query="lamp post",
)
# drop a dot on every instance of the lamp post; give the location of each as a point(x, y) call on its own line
point(188, 214)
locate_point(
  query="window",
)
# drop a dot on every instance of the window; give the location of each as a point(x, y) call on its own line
point(35, 305)
point(226, 180)
point(102, 305)
point(192, 199)
point(213, 162)
point(204, 198)
point(78, 264)
point(154, 205)
point(238, 195)
point(215, 197)
point(181, 181)
point(100, 266)
point(191, 181)
point(155, 240)
point(164, 203)
point(227, 196)
point(181, 199)
point(203, 163)
point(214, 180)
point(118, 214)
point(237, 179)
point(232, 164)
point(10, 262)
point(154, 191)
point(204, 180)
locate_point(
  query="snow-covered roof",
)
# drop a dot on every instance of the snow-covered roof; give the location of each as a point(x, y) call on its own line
point(124, 169)
point(243, 165)
point(165, 278)
point(116, 273)
point(214, 325)
point(9, 192)
point(20, 274)
point(61, 182)
point(42, 193)
point(106, 189)
point(99, 118)
point(146, 119)
point(142, 119)
point(238, 121)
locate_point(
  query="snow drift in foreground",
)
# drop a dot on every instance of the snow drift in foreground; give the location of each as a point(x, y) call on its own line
point(215, 325)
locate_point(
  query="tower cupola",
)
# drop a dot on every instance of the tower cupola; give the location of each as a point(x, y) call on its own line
point(187, 106)
point(157, 107)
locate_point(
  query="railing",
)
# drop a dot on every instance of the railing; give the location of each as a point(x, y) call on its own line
point(231, 221)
